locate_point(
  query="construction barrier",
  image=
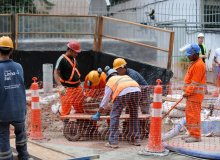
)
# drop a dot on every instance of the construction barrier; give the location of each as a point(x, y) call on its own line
point(82, 131)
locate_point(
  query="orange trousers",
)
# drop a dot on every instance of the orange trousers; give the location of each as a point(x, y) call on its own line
point(193, 118)
point(74, 97)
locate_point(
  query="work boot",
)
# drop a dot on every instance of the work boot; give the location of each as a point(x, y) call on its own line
point(111, 145)
point(192, 139)
point(135, 143)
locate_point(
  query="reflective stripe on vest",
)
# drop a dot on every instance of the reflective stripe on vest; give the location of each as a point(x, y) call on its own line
point(200, 88)
point(73, 71)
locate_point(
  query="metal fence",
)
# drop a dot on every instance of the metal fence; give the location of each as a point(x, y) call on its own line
point(187, 19)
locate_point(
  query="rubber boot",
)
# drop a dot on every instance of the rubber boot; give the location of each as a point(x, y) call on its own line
point(216, 94)
point(192, 139)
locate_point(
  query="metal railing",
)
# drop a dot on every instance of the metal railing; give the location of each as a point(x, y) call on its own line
point(37, 30)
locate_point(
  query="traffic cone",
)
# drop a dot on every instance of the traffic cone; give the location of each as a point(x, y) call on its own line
point(217, 91)
point(155, 146)
point(36, 129)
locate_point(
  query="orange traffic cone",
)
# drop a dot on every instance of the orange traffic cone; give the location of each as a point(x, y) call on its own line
point(155, 146)
point(217, 92)
point(36, 129)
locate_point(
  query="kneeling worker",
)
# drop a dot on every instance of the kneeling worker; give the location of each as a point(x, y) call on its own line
point(119, 64)
point(94, 84)
point(123, 91)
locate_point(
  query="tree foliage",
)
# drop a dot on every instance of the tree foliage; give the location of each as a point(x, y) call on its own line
point(17, 6)
point(116, 1)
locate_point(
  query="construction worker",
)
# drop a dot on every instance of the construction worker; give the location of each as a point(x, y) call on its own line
point(119, 64)
point(13, 107)
point(123, 91)
point(202, 53)
point(194, 84)
point(67, 76)
point(217, 72)
point(94, 84)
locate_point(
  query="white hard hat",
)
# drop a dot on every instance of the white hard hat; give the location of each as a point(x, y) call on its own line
point(200, 35)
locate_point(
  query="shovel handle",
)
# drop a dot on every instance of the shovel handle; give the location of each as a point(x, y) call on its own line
point(172, 108)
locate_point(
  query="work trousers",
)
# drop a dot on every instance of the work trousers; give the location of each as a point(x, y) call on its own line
point(145, 100)
point(21, 140)
point(193, 118)
point(131, 100)
point(74, 97)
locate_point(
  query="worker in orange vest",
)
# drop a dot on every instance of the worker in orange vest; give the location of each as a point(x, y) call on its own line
point(67, 76)
point(195, 86)
point(94, 84)
point(123, 91)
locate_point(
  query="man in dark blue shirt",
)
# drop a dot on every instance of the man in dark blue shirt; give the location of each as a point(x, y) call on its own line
point(13, 103)
point(119, 64)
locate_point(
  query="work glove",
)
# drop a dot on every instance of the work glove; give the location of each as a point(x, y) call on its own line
point(62, 90)
point(96, 117)
point(88, 99)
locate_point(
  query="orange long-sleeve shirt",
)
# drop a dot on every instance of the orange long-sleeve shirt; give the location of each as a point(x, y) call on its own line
point(195, 81)
point(98, 90)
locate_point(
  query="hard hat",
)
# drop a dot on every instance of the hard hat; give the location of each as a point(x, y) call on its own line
point(94, 78)
point(200, 35)
point(119, 62)
point(192, 49)
point(74, 45)
point(109, 72)
point(5, 41)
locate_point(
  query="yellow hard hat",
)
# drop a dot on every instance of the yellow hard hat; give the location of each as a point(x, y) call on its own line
point(119, 62)
point(94, 77)
point(5, 41)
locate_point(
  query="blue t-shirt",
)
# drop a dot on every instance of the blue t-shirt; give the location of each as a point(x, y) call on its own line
point(12, 92)
point(136, 76)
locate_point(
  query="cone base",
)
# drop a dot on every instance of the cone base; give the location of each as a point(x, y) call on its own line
point(149, 153)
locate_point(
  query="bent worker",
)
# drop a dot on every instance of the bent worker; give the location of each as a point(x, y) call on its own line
point(194, 84)
point(119, 64)
point(67, 76)
point(13, 103)
point(123, 91)
point(94, 84)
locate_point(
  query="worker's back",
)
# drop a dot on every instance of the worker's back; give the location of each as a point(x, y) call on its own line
point(136, 76)
point(119, 83)
point(12, 92)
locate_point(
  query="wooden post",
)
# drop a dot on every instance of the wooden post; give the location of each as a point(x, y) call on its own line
point(16, 33)
point(95, 32)
point(100, 34)
point(170, 51)
point(13, 29)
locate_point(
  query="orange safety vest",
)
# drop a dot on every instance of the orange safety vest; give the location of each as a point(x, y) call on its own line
point(195, 81)
point(73, 71)
point(118, 83)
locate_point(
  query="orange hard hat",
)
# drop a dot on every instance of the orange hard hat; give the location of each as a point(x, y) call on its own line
point(94, 78)
point(74, 45)
point(119, 62)
point(5, 41)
